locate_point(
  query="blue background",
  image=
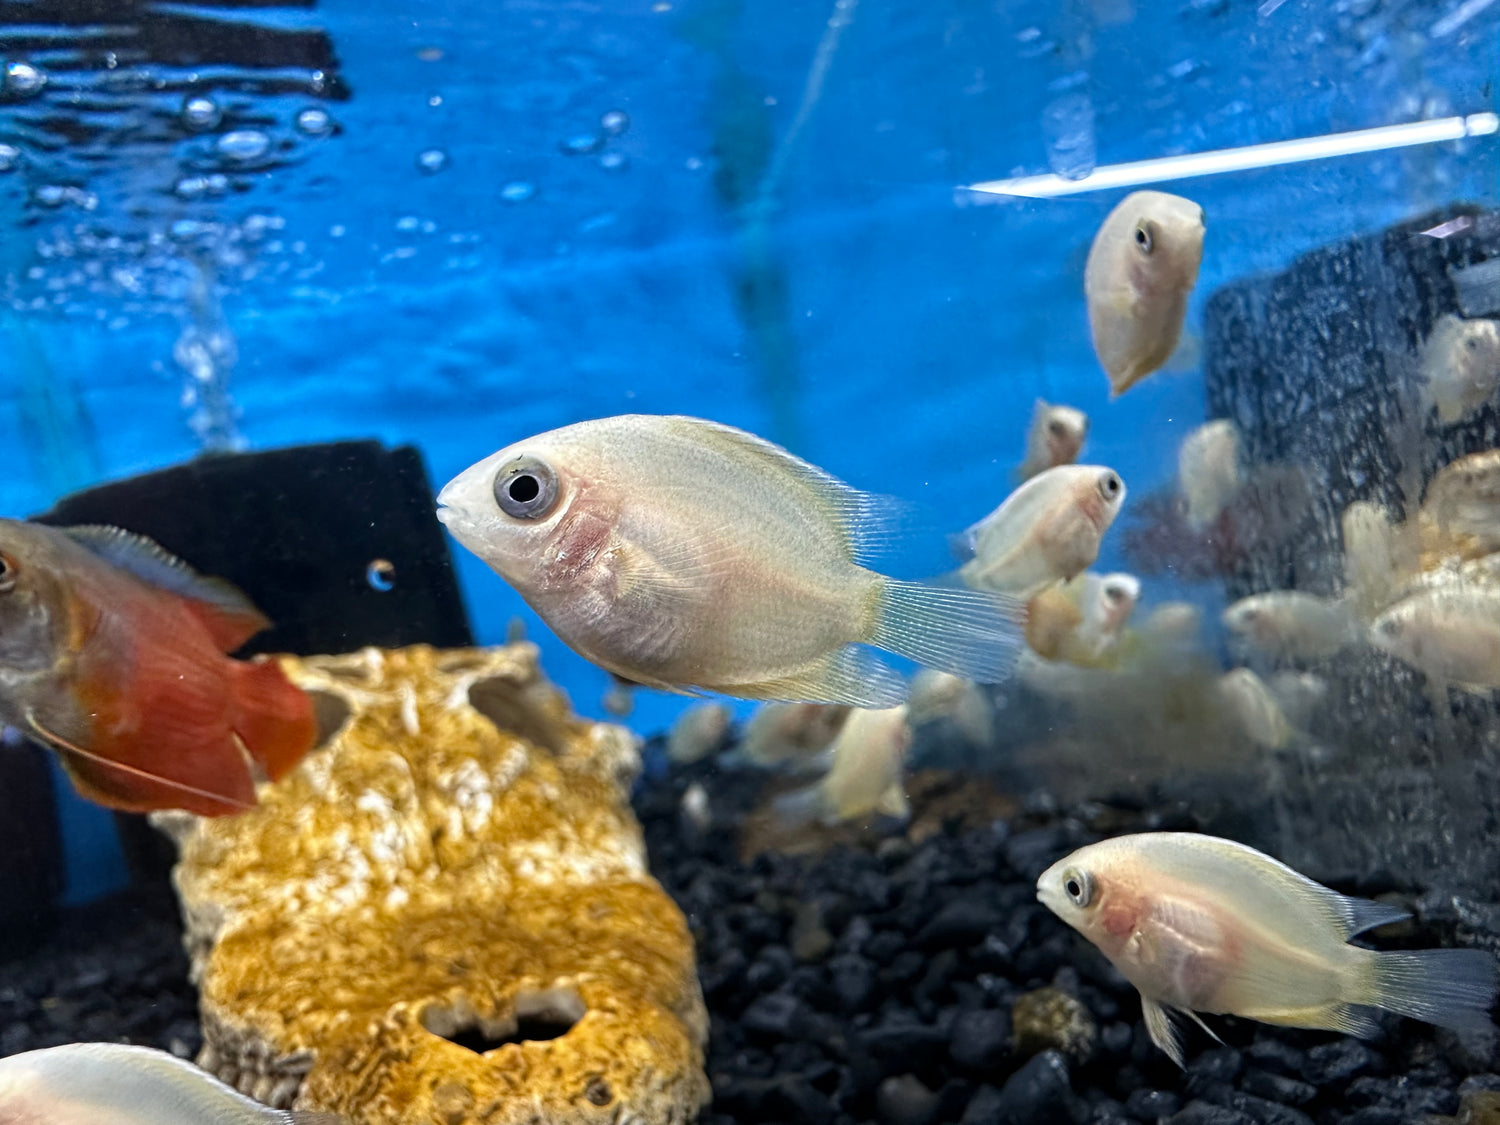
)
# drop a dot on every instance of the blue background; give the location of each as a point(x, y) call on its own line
point(917, 324)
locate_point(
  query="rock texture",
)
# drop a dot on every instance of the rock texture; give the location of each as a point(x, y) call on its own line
point(444, 915)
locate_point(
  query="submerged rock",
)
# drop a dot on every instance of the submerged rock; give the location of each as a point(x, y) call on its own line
point(444, 915)
point(1051, 1019)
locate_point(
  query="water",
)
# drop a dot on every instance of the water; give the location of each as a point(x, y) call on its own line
point(461, 227)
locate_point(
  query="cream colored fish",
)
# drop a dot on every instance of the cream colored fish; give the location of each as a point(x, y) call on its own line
point(1173, 625)
point(1140, 270)
point(865, 778)
point(1253, 708)
point(1452, 633)
point(1056, 438)
point(781, 734)
point(687, 555)
point(942, 695)
point(115, 1084)
point(1463, 499)
point(1377, 556)
point(1461, 366)
point(1047, 530)
point(1108, 602)
point(701, 730)
point(1208, 471)
point(1289, 623)
point(1200, 924)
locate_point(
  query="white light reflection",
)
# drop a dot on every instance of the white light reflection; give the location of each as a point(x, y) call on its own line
point(1250, 156)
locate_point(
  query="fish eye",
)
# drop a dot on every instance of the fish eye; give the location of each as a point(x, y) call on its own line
point(1109, 486)
point(9, 573)
point(1056, 428)
point(1145, 238)
point(1078, 886)
point(526, 488)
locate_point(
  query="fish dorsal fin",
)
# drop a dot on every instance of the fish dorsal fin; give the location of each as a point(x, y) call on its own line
point(228, 614)
point(867, 521)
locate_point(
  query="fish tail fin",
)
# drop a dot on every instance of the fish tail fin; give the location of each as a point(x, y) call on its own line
point(970, 633)
point(1452, 988)
point(272, 716)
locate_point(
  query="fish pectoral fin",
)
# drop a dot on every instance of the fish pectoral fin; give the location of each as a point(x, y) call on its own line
point(1197, 1019)
point(850, 675)
point(100, 778)
point(893, 802)
point(1163, 1031)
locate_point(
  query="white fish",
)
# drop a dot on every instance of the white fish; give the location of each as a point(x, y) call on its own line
point(1461, 366)
point(1254, 709)
point(1173, 625)
point(1464, 498)
point(1290, 623)
point(686, 555)
point(115, 1084)
point(1141, 267)
point(790, 734)
point(1376, 557)
point(1200, 924)
point(1208, 471)
point(942, 695)
point(865, 778)
point(695, 809)
point(1298, 694)
point(1108, 602)
point(1056, 438)
point(1047, 530)
point(1452, 633)
point(701, 730)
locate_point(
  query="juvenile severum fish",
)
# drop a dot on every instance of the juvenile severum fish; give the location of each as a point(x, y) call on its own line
point(865, 777)
point(1140, 270)
point(1461, 366)
point(1208, 471)
point(683, 554)
point(1046, 531)
point(115, 1084)
point(1451, 633)
point(1290, 623)
point(1200, 924)
point(112, 654)
point(1056, 438)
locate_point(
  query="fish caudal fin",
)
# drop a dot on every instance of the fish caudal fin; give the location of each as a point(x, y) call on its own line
point(1453, 988)
point(272, 716)
point(970, 633)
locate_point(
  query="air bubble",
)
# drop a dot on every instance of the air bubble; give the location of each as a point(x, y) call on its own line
point(614, 161)
point(580, 144)
point(615, 122)
point(10, 156)
point(22, 80)
point(381, 575)
point(314, 122)
point(201, 113)
point(432, 161)
point(517, 191)
point(244, 144)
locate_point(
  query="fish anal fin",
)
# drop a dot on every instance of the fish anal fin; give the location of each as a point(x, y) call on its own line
point(850, 675)
point(119, 785)
point(1163, 1031)
point(893, 802)
point(229, 616)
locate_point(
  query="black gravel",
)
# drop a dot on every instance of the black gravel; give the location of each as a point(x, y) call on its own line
point(114, 971)
point(875, 982)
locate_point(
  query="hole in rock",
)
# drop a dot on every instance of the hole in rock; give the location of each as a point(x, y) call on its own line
point(503, 702)
point(549, 1014)
point(330, 712)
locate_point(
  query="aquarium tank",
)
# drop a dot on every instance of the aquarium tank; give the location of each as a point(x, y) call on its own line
point(799, 561)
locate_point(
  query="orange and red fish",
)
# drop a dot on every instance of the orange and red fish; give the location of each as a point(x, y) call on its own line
point(112, 654)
